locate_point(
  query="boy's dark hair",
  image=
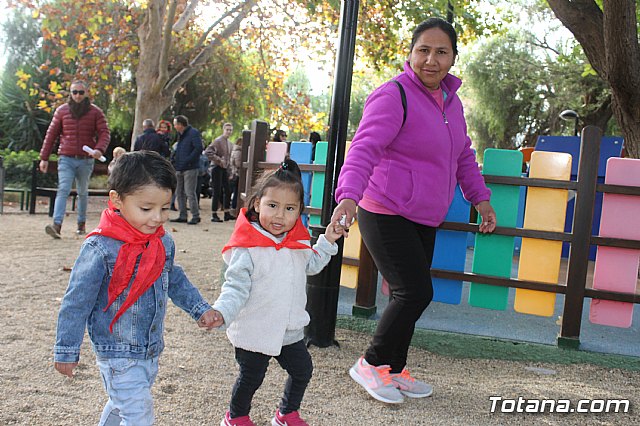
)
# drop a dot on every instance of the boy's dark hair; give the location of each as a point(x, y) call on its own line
point(134, 170)
point(182, 120)
point(435, 23)
point(287, 174)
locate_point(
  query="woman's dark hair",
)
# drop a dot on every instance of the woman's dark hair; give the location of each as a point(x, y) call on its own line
point(134, 170)
point(278, 135)
point(288, 174)
point(435, 23)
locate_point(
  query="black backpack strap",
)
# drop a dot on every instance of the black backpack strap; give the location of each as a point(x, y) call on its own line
point(403, 97)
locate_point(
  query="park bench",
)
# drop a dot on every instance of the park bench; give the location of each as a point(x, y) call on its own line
point(20, 191)
point(37, 190)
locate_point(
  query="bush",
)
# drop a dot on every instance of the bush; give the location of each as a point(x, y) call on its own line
point(18, 166)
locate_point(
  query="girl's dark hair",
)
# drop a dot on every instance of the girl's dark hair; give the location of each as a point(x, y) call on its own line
point(134, 170)
point(435, 23)
point(288, 174)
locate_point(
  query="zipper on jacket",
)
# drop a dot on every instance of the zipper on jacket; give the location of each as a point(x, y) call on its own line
point(444, 115)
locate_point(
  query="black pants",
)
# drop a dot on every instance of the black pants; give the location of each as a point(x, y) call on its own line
point(220, 186)
point(402, 251)
point(233, 188)
point(295, 359)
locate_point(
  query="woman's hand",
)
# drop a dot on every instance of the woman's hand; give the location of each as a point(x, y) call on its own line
point(488, 215)
point(346, 208)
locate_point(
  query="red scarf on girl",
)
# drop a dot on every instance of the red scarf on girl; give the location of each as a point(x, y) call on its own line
point(245, 235)
point(135, 243)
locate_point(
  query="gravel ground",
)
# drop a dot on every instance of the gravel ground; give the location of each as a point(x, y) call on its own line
point(198, 369)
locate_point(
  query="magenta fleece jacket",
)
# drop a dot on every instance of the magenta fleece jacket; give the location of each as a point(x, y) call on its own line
point(412, 169)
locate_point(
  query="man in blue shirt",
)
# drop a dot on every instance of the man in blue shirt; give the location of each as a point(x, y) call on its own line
point(186, 161)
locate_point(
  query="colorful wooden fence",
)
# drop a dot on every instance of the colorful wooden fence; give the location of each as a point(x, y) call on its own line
point(542, 236)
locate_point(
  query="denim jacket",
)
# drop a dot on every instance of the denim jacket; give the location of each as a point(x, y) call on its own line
point(138, 333)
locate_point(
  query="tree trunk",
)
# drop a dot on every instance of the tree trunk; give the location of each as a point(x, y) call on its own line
point(156, 89)
point(609, 38)
point(149, 101)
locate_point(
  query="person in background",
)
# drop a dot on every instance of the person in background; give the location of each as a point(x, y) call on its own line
point(119, 288)
point(164, 130)
point(262, 301)
point(402, 176)
point(314, 138)
point(186, 161)
point(118, 152)
point(279, 136)
point(204, 187)
point(234, 174)
point(219, 154)
point(150, 140)
point(75, 124)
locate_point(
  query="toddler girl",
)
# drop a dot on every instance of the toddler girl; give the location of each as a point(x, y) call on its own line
point(262, 301)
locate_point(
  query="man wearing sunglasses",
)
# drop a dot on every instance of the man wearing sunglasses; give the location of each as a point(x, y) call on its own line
point(75, 124)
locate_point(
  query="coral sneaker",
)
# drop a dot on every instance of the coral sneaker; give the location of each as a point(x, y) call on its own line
point(291, 419)
point(409, 386)
point(236, 421)
point(377, 381)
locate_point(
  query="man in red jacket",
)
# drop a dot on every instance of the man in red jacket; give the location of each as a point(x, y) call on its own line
point(75, 124)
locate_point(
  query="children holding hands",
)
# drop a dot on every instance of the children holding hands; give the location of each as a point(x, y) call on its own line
point(262, 301)
point(119, 287)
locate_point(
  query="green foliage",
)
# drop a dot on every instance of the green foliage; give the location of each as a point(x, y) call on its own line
point(18, 166)
point(21, 121)
point(223, 91)
point(384, 26)
point(515, 88)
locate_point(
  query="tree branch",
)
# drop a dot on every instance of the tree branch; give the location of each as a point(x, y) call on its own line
point(585, 20)
point(204, 35)
point(187, 13)
point(185, 74)
point(163, 72)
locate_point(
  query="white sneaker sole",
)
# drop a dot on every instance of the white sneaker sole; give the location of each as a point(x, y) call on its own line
point(415, 395)
point(355, 376)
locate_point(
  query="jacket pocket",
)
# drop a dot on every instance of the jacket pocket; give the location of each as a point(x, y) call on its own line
point(401, 185)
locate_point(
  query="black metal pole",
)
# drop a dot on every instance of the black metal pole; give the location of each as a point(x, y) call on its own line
point(323, 289)
point(339, 117)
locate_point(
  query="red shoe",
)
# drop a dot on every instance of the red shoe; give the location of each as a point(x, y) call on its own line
point(236, 421)
point(291, 419)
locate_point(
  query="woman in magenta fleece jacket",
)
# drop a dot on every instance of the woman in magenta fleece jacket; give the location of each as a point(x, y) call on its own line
point(402, 174)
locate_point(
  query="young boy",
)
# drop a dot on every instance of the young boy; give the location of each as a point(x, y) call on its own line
point(119, 286)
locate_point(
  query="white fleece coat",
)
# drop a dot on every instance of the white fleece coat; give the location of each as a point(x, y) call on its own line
point(263, 298)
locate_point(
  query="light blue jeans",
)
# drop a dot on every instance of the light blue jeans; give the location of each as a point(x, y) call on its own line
point(70, 169)
point(128, 382)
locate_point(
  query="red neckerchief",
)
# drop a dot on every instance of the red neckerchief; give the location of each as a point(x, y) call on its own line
point(135, 243)
point(245, 235)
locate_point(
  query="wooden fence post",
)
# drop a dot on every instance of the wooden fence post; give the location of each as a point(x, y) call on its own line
point(255, 153)
point(579, 253)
